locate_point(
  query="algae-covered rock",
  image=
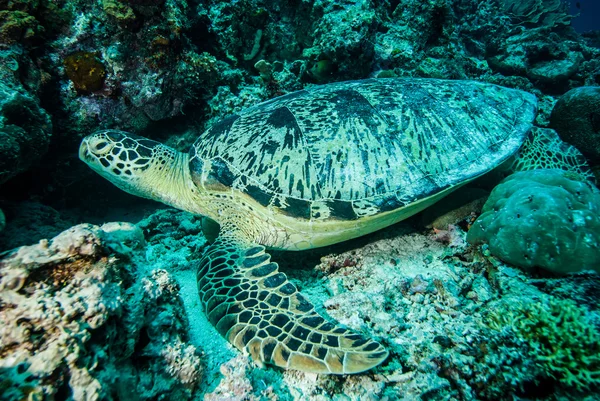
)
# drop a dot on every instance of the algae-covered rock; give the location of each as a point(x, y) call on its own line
point(576, 118)
point(120, 12)
point(80, 316)
point(27, 22)
point(542, 218)
point(17, 27)
point(25, 130)
point(550, 72)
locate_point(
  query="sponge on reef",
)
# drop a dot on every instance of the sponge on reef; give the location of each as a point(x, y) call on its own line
point(544, 218)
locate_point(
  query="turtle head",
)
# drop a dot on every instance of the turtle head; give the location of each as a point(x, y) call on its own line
point(135, 164)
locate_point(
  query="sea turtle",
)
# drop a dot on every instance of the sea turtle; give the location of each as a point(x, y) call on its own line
point(313, 168)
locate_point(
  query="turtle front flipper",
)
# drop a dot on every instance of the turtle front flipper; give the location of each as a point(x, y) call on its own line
point(258, 310)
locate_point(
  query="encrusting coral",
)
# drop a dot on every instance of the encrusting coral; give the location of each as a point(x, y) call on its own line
point(86, 71)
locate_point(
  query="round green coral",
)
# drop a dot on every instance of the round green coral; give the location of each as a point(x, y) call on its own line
point(542, 218)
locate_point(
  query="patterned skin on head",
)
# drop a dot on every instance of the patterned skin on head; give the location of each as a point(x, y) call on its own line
point(126, 160)
point(117, 152)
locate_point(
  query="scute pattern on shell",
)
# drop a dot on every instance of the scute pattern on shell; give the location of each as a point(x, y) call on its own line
point(353, 149)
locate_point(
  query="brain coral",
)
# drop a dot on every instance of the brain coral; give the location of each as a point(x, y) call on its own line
point(542, 218)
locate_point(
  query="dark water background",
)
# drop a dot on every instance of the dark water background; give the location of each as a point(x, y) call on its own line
point(589, 15)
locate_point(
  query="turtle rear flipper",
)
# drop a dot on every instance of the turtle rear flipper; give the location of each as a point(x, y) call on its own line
point(258, 310)
point(544, 149)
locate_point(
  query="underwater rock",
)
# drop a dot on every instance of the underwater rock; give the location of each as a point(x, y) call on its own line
point(537, 13)
point(30, 222)
point(162, 59)
point(542, 218)
point(122, 13)
point(576, 118)
point(95, 296)
point(78, 317)
point(25, 131)
point(343, 40)
point(547, 60)
point(429, 303)
point(556, 71)
point(129, 64)
point(225, 102)
point(425, 31)
point(427, 306)
point(174, 238)
point(239, 28)
point(17, 27)
point(433, 307)
point(236, 385)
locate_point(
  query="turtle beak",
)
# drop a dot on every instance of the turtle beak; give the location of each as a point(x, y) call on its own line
point(83, 150)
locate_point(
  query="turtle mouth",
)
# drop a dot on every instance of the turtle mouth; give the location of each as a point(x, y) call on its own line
point(83, 151)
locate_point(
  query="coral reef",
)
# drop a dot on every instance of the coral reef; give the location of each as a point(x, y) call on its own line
point(95, 313)
point(548, 13)
point(237, 385)
point(173, 230)
point(343, 45)
point(28, 22)
point(542, 218)
point(79, 320)
point(18, 26)
point(431, 307)
point(576, 118)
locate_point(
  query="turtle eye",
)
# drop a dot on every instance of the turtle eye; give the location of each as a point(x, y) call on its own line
point(100, 146)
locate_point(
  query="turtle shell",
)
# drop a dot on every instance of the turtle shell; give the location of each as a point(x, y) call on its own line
point(352, 149)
